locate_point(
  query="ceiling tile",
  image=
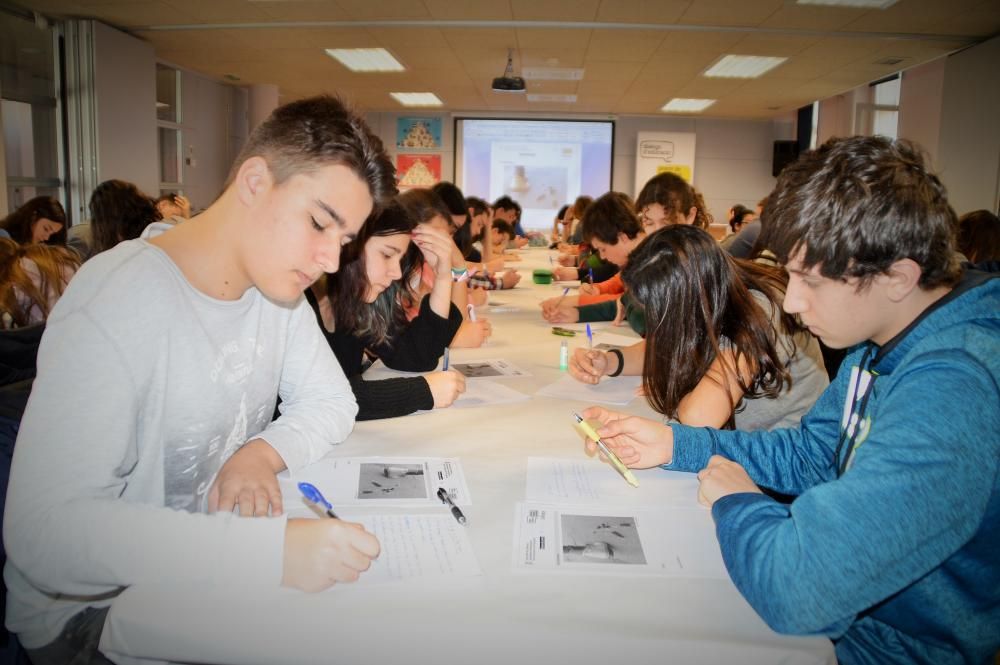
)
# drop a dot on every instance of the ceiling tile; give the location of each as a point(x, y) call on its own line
point(624, 45)
point(552, 38)
point(774, 45)
point(726, 12)
point(369, 10)
point(602, 70)
point(429, 39)
point(554, 10)
point(642, 11)
point(221, 11)
point(813, 17)
point(302, 10)
point(469, 10)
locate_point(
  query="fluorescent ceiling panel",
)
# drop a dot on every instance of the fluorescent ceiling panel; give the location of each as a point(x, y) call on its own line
point(417, 98)
point(565, 99)
point(551, 74)
point(681, 105)
point(365, 59)
point(743, 66)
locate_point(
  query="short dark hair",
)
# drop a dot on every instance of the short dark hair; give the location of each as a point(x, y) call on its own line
point(857, 205)
point(452, 197)
point(119, 211)
point(676, 196)
point(308, 134)
point(979, 236)
point(506, 203)
point(608, 216)
point(477, 205)
point(20, 222)
point(503, 226)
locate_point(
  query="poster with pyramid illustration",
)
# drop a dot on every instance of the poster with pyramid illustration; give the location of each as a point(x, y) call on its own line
point(418, 170)
point(417, 133)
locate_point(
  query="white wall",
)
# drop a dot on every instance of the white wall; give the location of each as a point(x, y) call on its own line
point(732, 157)
point(125, 87)
point(213, 128)
point(969, 143)
point(920, 102)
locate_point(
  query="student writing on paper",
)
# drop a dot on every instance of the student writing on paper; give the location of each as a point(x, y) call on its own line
point(718, 350)
point(164, 360)
point(381, 264)
point(890, 546)
point(612, 228)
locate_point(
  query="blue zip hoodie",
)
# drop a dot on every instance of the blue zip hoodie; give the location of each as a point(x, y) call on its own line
point(893, 553)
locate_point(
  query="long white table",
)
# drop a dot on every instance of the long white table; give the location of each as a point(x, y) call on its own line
point(500, 617)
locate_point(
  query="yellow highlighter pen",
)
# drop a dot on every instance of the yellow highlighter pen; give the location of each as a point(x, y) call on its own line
point(615, 462)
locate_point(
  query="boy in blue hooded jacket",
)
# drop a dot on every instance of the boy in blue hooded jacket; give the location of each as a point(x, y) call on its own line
point(890, 547)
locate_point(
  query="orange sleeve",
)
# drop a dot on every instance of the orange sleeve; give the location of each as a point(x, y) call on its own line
point(612, 285)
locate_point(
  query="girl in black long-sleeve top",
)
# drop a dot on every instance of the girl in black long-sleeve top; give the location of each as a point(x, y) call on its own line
point(378, 268)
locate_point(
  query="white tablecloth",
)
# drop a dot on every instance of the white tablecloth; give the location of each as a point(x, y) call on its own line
point(502, 616)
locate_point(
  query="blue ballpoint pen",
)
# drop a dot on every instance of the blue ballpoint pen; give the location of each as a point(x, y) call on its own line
point(312, 493)
point(590, 337)
point(590, 272)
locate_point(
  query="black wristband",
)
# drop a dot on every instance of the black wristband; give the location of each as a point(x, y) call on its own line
point(621, 361)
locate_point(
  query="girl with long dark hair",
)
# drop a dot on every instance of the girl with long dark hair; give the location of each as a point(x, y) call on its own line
point(379, 267)
point(718, 350)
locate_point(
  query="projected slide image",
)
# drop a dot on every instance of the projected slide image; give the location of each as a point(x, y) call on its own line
point(536, 186)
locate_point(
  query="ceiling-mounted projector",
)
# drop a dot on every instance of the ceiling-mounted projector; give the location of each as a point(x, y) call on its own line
point(508, 82)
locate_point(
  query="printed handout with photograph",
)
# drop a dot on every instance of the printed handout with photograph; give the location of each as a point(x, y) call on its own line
point(384, 481)
point(583, 480)
point(619, 540)
point(418, 547)
point(619, 390)
point(488, 369)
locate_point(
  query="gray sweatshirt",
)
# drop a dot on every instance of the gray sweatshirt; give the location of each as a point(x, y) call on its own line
point(145, 387)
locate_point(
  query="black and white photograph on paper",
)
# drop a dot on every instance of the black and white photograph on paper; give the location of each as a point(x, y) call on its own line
point(488, 369)
point(601, 539)
point(391, 481)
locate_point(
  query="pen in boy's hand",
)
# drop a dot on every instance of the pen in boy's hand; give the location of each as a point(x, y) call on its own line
point(444, 368)
point(312, 493)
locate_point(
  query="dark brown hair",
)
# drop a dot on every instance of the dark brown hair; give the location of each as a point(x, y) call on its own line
point(20, 223)
point(693, 295)
point(979, 236)
point(308, 134)
point(857, 205)
point(374, 322)
point(676, 196)
point(608, 216)
point(118, 212)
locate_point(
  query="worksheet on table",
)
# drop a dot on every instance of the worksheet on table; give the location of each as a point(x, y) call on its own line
point(616, 540)
point(384, 481)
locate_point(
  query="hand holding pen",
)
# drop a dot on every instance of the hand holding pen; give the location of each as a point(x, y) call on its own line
point(612, 458)
point(640, 443)
point(321, 552)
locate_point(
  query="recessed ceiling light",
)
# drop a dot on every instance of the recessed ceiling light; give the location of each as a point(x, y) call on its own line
point(365, 59)
point(551, 73)
point(681, 105)
point(743, 66)
point(417, 98)
point(870, 4)
point(559, 99)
